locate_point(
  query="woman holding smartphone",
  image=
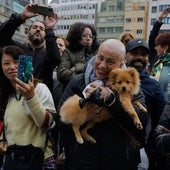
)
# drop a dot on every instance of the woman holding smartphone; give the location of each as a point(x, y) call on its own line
point(26, 118)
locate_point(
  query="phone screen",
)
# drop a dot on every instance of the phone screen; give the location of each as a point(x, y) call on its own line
point(25, 68)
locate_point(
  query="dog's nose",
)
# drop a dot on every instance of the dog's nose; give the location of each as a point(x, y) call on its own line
point(123, 88)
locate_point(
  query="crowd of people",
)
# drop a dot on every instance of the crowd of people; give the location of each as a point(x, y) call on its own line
point(32, 135)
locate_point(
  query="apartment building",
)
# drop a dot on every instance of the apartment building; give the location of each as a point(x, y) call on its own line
point(136, 17)
point(110, 19)
point(155, 9)
point(71, 11)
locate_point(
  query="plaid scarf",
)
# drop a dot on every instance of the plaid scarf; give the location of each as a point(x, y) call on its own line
point(158, 66)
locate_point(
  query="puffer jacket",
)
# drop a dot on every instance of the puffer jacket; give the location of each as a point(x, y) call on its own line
point(114, 149)
point(69, 59)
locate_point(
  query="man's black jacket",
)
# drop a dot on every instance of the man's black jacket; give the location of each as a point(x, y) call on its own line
point(44, 59)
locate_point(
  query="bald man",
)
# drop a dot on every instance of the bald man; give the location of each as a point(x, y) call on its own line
point(114, 149)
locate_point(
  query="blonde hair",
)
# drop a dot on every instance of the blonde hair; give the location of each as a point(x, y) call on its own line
point(125, 34)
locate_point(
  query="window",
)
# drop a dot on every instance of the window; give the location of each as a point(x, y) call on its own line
point(166, 20)
point(110, 30)
point(111, 8)
point(139, 19)
point(154, 9)
point(153, 20)
point(141, 8)
point(128, 20)
point(120, 6)
point(162, 7)
point(119, 29)
point(138, 31)
point(101, 30)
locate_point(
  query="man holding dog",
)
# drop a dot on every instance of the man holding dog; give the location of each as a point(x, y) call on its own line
point(137, 52)
point(117, 139)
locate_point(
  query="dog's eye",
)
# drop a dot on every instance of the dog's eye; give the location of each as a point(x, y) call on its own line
point(128, 81)
point(119, 82)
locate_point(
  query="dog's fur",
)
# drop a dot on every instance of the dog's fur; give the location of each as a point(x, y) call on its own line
point(125, 81)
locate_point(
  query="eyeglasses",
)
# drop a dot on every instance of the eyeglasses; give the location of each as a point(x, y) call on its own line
point(85, 36)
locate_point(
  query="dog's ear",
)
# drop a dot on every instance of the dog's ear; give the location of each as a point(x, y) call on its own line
point(133, 72)
point(112, 76)
point(136, 79)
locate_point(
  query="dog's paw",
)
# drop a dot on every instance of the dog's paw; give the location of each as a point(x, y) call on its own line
point(144, 109)
point(139, 125)
point(80, 140)
point(91, 140)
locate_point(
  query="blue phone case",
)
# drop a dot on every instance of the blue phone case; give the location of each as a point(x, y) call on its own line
point(25, 68)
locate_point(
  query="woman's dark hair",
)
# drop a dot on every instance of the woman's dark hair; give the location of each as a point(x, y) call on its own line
point(7, 90)
point(163, 39)
point(74, 36)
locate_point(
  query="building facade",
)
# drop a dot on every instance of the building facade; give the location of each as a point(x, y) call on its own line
point(110, 19)
point(136, 17)
point(155, 9)
point(71, 11)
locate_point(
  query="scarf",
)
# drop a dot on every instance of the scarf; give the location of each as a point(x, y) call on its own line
point(158, 66)
point(90, 75)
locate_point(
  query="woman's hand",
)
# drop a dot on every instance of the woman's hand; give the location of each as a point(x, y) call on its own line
point(104, 91)
point(26, 89)
point(3, 147)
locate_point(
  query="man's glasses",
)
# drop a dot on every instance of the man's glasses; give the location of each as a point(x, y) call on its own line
point(85, 36)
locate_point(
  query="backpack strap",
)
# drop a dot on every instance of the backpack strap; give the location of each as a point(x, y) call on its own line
point(131, 137)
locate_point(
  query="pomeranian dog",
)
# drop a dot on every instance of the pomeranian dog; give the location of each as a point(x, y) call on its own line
point(127, 83)
point(76, 111)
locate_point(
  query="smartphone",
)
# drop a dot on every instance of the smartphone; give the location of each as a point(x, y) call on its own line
point(42, 10)
point(25, 68)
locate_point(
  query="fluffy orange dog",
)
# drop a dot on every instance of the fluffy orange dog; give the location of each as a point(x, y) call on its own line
point(126, 82)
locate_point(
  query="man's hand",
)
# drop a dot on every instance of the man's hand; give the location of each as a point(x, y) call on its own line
point(50, 22)
point(28, 12)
